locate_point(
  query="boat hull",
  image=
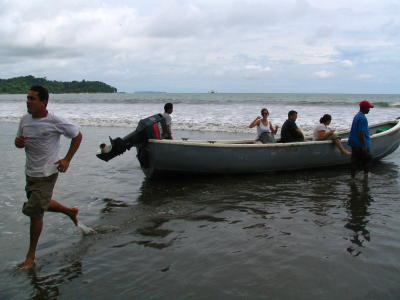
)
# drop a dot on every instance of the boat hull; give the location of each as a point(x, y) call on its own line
point(234, 157)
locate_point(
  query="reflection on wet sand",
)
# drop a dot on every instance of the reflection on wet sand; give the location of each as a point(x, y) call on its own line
point(47, 286)
point(111, 203)
point(357, 207)
point(359, 200)
point(267, 217)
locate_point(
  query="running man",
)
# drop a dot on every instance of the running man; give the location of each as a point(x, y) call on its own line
point(39, 133)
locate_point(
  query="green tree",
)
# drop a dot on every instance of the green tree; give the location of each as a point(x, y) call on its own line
point(20, 85)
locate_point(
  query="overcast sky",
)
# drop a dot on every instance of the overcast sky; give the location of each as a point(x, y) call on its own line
point(339, 46)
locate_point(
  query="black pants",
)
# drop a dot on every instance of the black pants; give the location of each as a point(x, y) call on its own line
point(360, 159)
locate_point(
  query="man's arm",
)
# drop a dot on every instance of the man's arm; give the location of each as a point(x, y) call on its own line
point(20, 141)
point(169, 133)
point(299, 132)
point(295, 130)
point(361, 135)
point(63, 164)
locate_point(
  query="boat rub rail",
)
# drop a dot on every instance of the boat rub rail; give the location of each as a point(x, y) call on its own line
point(252, 143)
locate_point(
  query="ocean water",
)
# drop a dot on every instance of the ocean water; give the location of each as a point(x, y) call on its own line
point(206, 112)
point(287, 235)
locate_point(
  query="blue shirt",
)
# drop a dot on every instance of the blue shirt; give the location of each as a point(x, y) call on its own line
point(360, 123)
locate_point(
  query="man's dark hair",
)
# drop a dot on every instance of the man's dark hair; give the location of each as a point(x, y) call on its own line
point(291, 113)
point(42, 91)
point(168, 106)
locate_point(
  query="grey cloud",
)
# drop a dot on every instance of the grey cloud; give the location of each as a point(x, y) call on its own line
point(391, 29)
point(247, 16)
point(244, 14)
point(322, 33)
point(301, 8)
point(194, 39)
point(18, 52)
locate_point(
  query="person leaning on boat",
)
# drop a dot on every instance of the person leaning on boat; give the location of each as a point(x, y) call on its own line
point(265, 130)
point(290, 132)
point(323, 133)
point(359, 140)
point(168, 109)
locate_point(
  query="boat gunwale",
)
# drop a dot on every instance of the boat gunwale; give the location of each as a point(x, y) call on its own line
point(251, 144)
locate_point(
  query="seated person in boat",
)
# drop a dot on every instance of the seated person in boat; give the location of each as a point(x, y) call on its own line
point(290, 132)
point(168, 109)
point(265, 129)
point(322, 133)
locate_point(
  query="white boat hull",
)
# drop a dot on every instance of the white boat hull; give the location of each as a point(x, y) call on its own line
point(232, 157)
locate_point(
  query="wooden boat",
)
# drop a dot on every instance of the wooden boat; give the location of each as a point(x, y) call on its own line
point(246, 156)
point(160, 157)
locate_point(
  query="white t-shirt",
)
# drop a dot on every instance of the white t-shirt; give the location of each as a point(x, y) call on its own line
point(168, 122)
point(317, 129)
point(168, 119)
point(43, 142)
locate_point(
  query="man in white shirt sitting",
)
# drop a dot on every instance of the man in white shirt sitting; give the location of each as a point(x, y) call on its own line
point(168, 109)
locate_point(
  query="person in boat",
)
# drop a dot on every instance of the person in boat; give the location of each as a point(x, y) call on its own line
point(168, 109)
point(265, 130)
point(290, 132)
point(322, 133)
point(359, 140)
point(39, 133)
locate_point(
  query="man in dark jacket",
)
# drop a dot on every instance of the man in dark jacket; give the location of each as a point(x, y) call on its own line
point(290, 132)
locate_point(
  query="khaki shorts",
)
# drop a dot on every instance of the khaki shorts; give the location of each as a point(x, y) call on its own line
point(39, 191)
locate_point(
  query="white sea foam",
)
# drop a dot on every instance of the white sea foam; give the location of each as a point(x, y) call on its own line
point(86, 230)
point(204, 115)
point(396, 104)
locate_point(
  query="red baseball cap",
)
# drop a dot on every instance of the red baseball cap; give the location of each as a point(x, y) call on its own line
point(366, 103)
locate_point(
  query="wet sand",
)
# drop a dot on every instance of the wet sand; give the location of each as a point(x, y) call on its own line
point(287, 235)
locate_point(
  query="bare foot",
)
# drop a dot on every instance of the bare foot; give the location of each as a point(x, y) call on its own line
point(346, 152)
point(27, 264)
point(73, 215)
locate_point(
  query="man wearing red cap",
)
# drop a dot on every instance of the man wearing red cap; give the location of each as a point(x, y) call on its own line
point(359, 140)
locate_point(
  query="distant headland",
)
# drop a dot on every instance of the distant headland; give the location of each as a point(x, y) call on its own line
point(149, 92)
point(20, 85)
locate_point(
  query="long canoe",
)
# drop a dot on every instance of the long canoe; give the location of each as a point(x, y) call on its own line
point(160, 157)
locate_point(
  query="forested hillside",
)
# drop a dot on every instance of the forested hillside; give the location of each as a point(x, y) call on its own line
point(20, 85)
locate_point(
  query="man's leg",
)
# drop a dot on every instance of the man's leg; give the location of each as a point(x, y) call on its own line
point(366, 170)
point(367, 163)
point(35, 231)
point(353, 171)
point(355, 153)
point(71, 212)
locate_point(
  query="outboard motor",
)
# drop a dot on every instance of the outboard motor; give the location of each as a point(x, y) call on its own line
point(153, 127)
